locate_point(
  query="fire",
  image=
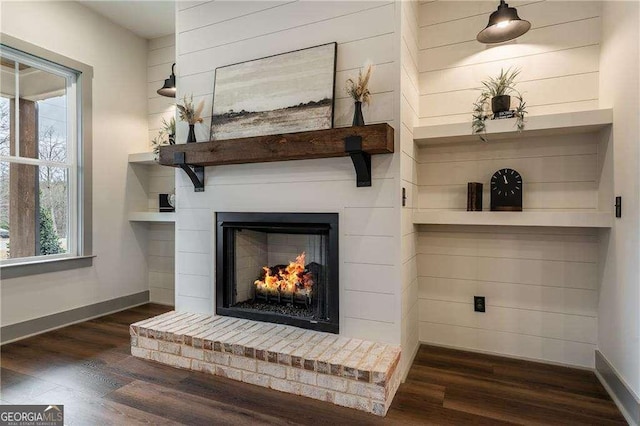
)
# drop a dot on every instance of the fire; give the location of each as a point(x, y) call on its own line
point(289, 280)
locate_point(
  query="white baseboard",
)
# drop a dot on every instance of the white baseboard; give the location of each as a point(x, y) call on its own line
point(22, 330)
point(622, 395)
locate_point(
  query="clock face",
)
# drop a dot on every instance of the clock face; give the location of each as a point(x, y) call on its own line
point(506, 191)
point(506, 183)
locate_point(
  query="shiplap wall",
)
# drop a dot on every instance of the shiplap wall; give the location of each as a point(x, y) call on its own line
point(541, 289)
point(559, 172)
point(541, 285)
point(160, 256)
point(161, 250)
point(161, 261)
point(160, 57)
point(409, 106)
point(213, 34)
point(559, 57)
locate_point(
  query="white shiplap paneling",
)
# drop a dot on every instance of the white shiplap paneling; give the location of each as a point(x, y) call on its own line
point(559, 172)
point(539, 287)
point(409, 107)
point(558, 57)
point(160, 57)
point(541, 284)
point(215, 34)
point(161, 180)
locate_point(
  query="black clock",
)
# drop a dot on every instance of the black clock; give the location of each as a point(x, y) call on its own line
point(506, 191)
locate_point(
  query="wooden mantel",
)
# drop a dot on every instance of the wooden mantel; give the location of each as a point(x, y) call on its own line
point(358, 142)
point(376, 139)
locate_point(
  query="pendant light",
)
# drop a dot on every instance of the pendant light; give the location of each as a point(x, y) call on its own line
point(169, 88)
point(504, 24)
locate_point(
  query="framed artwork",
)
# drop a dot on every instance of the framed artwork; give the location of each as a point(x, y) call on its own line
point(285, 93)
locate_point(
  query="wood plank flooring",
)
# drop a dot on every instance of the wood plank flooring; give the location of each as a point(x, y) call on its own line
point(88, 368)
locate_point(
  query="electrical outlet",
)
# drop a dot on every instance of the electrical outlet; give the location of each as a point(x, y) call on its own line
point(478, 304)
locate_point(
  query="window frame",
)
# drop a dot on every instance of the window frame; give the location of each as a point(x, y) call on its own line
point(80, 183)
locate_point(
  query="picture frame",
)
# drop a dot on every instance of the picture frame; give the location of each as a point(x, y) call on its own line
point(284, 93)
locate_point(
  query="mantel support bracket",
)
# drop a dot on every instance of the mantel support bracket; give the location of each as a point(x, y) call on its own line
point(361, 160)
point(195, 173)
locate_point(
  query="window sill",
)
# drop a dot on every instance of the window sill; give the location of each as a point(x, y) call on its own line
point(44, 266)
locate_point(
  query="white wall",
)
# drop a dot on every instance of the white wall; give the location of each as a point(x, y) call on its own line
point(409, 107)
point(161, 55)
point(541, 285)
point(119, 62)
point(161, 261)
point(558, 57)
point(221, 33)
point(541, 289)
point(618, 312)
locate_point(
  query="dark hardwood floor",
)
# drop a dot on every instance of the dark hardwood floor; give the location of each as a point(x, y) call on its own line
point(88, 368)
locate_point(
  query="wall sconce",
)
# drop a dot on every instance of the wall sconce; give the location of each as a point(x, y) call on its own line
point(504, 24)
point(169, 88)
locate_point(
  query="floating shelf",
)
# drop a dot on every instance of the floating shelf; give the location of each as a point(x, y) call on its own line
point(151, 217)
point(142, 158)
point(525, 218)
point(537, 125)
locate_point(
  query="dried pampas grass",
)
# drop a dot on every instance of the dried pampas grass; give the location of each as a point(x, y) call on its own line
point(188, 113)
point(359, 90)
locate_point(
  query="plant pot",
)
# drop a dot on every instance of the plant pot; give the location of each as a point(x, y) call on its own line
point(172, 139)
point(358, 119)
point(500, 103)
point(192, 134)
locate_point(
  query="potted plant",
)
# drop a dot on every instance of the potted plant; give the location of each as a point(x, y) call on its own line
point(496, 94)
point(169, 129)
point(360, 93)
point(166, 135)
point(191, 114)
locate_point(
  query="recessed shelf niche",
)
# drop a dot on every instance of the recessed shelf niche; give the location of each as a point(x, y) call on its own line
point(566, 167)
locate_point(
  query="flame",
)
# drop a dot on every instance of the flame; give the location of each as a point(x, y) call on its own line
point(289, 280)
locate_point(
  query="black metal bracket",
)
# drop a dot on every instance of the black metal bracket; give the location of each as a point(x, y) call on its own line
point(195, 173)
point(361, 160)
point(618, 206)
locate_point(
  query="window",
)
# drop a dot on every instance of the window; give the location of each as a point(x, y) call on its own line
point(40, 159)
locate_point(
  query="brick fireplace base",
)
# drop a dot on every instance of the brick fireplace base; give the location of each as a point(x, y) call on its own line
point(352, 373)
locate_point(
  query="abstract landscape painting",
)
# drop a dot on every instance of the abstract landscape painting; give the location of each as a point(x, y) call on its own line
point(286, 93)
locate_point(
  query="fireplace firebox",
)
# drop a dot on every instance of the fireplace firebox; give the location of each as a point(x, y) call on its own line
point(278, 267)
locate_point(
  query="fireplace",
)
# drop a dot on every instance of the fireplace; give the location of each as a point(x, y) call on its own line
point(278, 267)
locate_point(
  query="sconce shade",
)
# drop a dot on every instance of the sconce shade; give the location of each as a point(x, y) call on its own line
point(504, 25)
point(169, 88)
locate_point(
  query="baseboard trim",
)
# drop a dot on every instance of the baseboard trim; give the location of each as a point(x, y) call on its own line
point(22, 330)
point(625, 399)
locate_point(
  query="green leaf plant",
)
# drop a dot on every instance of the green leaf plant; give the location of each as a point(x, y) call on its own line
point(166, 136)
point(503, 84)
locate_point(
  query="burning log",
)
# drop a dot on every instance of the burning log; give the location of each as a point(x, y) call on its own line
point(291, 283)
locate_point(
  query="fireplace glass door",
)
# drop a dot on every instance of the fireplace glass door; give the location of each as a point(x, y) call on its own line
point(278, 267)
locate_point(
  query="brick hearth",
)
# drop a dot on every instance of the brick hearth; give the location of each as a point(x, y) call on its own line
point(352, 373)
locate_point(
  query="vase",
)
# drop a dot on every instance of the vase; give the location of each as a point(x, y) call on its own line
point(192, 134)
point(172, 139)
point(500, 103)
point(358, 119)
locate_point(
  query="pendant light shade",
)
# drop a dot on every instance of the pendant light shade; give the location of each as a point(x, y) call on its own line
point(169, 88)
point(504, 25)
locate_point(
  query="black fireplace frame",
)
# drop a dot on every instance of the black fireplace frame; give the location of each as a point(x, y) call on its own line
point(228, 222)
